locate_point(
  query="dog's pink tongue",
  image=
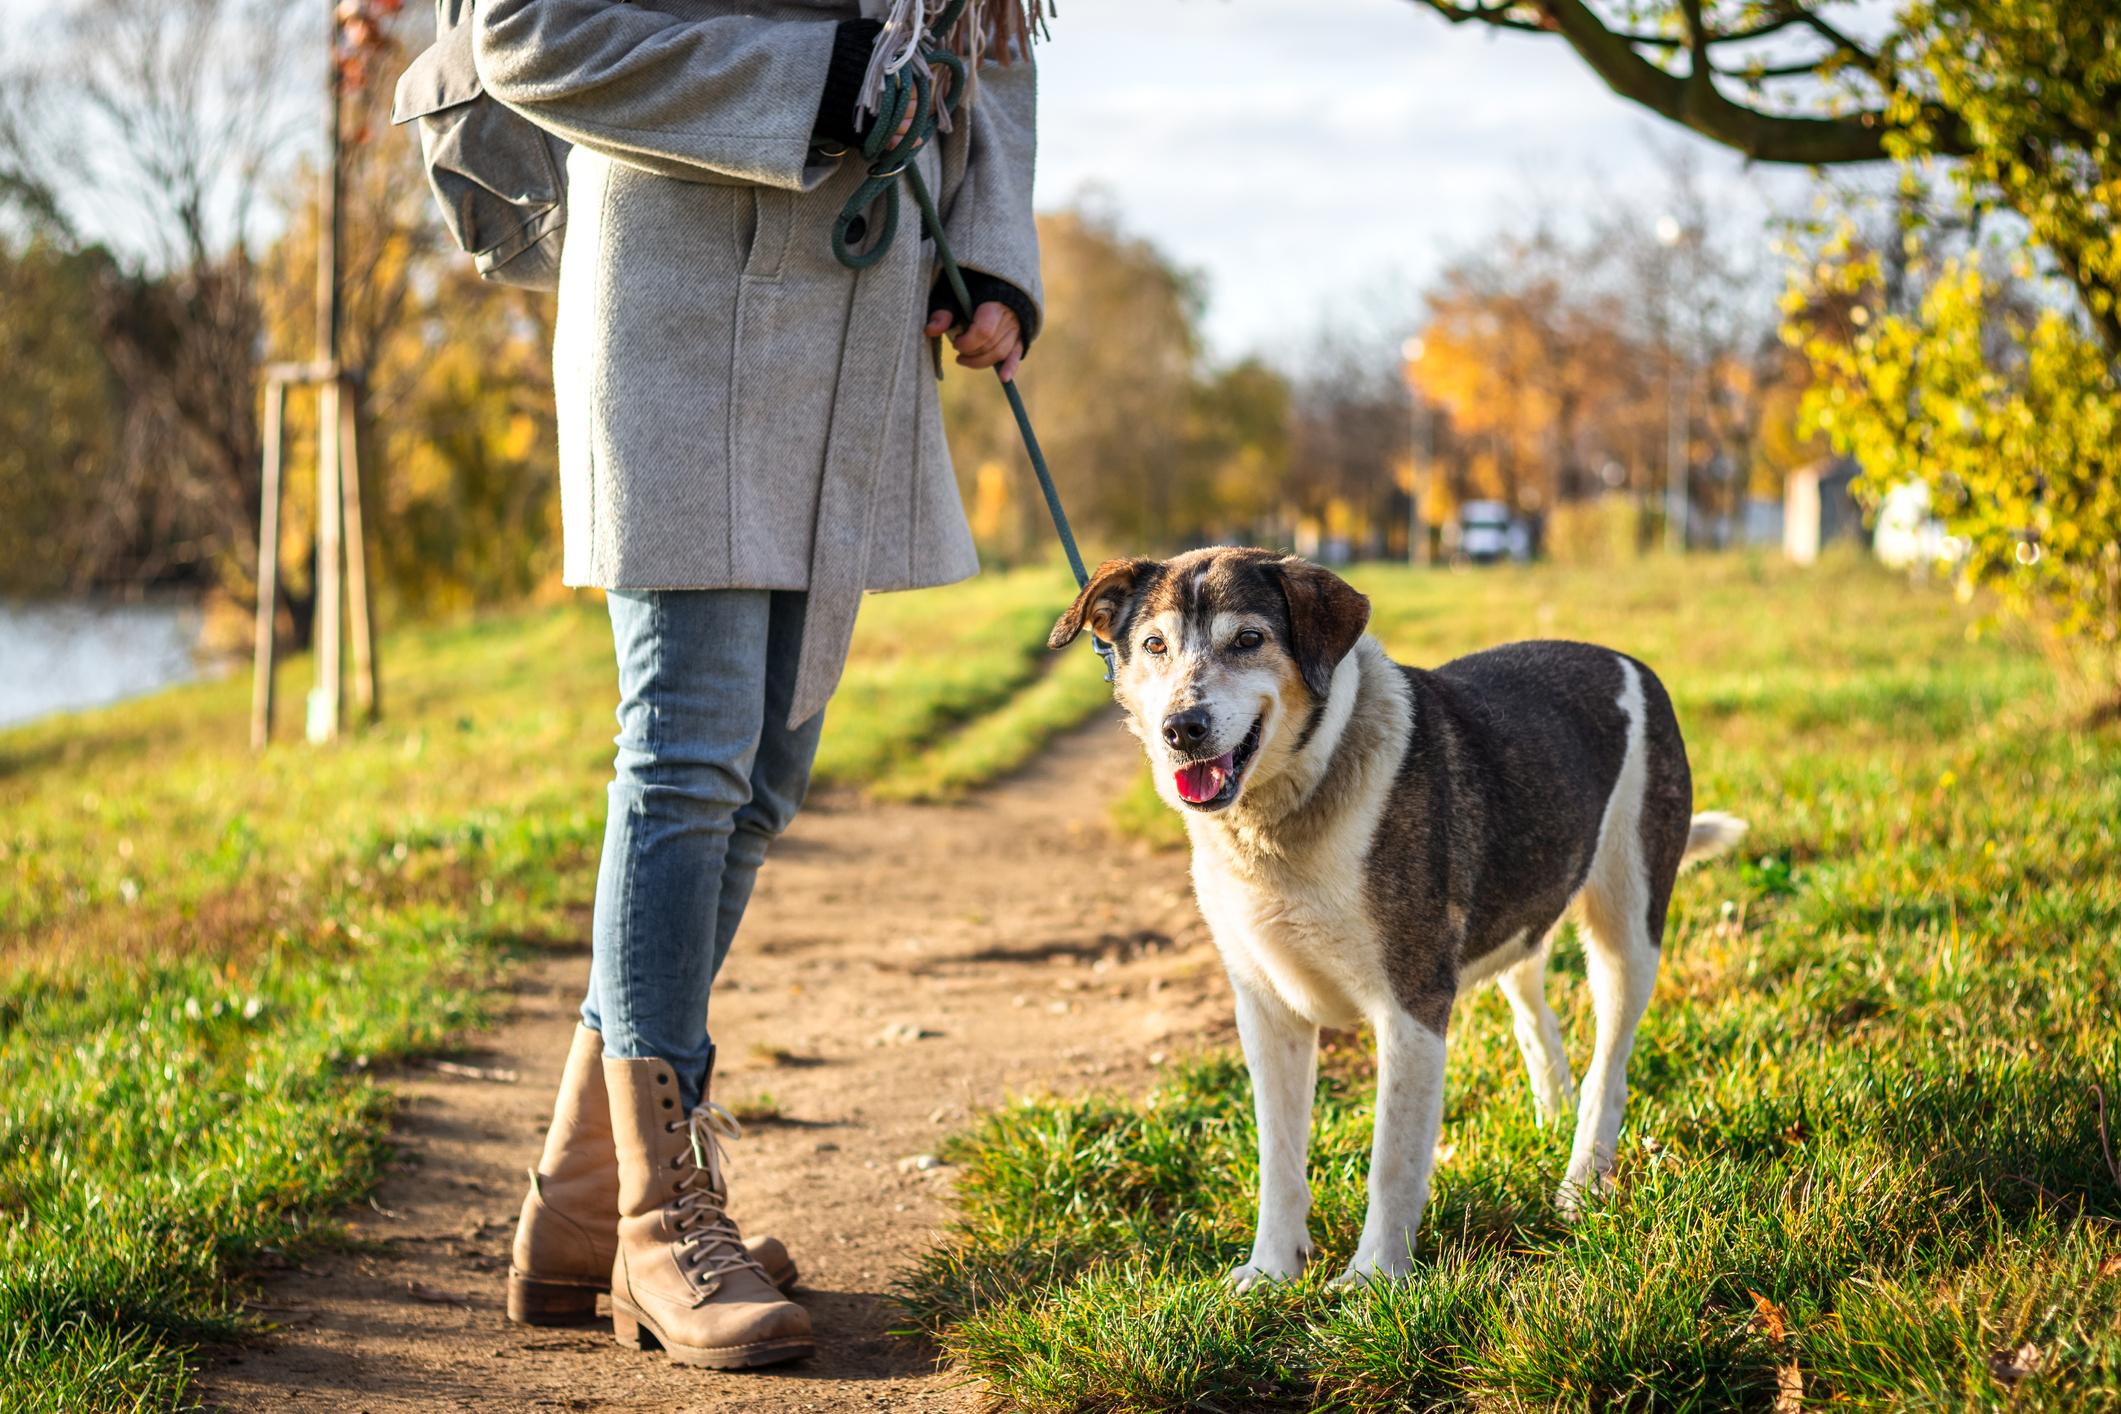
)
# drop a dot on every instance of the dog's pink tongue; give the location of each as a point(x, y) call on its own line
point(1204, 779)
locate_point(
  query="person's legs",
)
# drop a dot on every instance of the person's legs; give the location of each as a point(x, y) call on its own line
point(707, 773)
point(780, 773)
point(695, 671)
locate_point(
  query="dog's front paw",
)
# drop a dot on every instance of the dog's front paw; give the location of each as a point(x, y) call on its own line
point(1577, 1196)
point(1366, 1268)
point(1256, 1274)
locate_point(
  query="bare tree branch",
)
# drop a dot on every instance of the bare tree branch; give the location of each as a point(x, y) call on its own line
point(1693, 99)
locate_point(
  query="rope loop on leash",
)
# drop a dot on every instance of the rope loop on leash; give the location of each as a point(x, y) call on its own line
point(889, 161)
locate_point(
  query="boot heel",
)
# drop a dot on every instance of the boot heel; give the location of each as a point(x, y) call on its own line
point(630, 1331)
point(549, 1303)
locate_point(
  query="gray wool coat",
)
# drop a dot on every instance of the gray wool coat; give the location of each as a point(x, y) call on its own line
point(736, 408)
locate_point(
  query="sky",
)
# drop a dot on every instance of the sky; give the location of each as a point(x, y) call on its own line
point(1302, 153)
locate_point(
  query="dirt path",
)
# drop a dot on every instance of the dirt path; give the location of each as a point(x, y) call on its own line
point(916, 964)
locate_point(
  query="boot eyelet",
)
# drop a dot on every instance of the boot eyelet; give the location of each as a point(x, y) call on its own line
point(662, 1079)
point(667, 1102)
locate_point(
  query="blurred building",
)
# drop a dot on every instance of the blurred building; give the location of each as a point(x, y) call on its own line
point(1817, 508)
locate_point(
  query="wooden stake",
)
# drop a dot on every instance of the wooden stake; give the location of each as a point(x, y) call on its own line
point(325, 697)
point(358, 604)
point(261, 694)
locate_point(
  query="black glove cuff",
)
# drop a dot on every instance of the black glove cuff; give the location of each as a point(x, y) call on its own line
point(851, 46)
point(985, 289)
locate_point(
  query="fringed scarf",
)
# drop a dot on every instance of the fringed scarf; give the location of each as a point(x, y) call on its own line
point(1002, 28)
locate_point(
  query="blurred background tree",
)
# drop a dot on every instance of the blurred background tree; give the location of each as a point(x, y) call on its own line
point(132, 375)
point(1558, 359)
point(56, 417)
point(163, 109)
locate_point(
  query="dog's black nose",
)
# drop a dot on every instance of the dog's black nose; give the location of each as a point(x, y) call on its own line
point(1185, 730)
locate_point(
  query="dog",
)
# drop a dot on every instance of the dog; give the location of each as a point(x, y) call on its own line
point(1371, 840)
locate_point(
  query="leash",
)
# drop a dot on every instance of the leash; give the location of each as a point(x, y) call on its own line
point(888, 161)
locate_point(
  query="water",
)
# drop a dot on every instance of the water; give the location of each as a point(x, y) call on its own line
point(63, 657)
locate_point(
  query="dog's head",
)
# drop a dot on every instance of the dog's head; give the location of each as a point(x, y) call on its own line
point(1224, 657)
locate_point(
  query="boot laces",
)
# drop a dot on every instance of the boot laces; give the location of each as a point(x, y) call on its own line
point(711, 1245)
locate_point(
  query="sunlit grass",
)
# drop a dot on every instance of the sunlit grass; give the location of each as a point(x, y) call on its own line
point(1868, 1089)
point(949, 689)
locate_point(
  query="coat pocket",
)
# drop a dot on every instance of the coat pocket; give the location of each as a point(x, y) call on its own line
point(499, 178)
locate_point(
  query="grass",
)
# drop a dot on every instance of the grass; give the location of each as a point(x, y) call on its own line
point(210, 961)
point(1865, 1155)
point(946, 690)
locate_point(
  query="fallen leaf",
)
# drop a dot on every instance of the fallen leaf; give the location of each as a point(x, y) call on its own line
point(1789, 1390)
point(2111, 1267)
point(2011, 1366)
point(1767, 1316)
point(421, 1291)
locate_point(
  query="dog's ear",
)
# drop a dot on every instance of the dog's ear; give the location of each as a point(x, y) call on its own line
point(1326, 617)
point(1097, 607)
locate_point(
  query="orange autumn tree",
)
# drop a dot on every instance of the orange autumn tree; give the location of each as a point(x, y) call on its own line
point(1556, 366)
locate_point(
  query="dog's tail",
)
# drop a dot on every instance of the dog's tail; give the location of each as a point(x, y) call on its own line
point(1711, 833)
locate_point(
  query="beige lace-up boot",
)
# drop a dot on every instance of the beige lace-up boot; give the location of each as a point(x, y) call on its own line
point(569, 1231)
point(683, 1279)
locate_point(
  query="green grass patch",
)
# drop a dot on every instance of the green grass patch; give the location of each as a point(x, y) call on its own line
point(207, 957)
point(1070, 690)
point(950, 688)
point(1868, 1088)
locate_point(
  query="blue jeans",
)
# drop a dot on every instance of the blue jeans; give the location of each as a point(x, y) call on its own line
point(707, 775)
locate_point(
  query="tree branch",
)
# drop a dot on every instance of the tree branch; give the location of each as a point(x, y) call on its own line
point(1693, 100)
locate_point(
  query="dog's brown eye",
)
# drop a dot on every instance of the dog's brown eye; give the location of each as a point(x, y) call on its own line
point(1251, 638)
point(1153, 643)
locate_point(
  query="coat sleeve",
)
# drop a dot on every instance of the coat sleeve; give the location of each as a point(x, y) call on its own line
point(987, 174)
point(732, 98)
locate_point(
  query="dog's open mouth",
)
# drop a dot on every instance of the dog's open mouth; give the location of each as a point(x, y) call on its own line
point(1212, 784)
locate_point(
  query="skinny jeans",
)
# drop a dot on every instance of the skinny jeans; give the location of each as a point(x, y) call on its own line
point(707, 775)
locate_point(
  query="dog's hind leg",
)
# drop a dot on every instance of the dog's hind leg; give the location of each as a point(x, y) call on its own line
point(1620, 953)
point(1622, 962)
point(1281, 1051)
point(1546, 1061)
point(1410, 1065)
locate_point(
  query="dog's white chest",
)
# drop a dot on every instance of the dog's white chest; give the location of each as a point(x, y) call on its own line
point(1301, 933)
point(1289, 909)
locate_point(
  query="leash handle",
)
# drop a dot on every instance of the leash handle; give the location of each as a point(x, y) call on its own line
point(888, 162)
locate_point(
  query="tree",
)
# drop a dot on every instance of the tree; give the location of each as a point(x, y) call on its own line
point(1557, 359)
point(2007, 417)
point(2024, 90)
point(1350, 442)
point(56, 414)
point(2002, 407)
point(159, 117)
